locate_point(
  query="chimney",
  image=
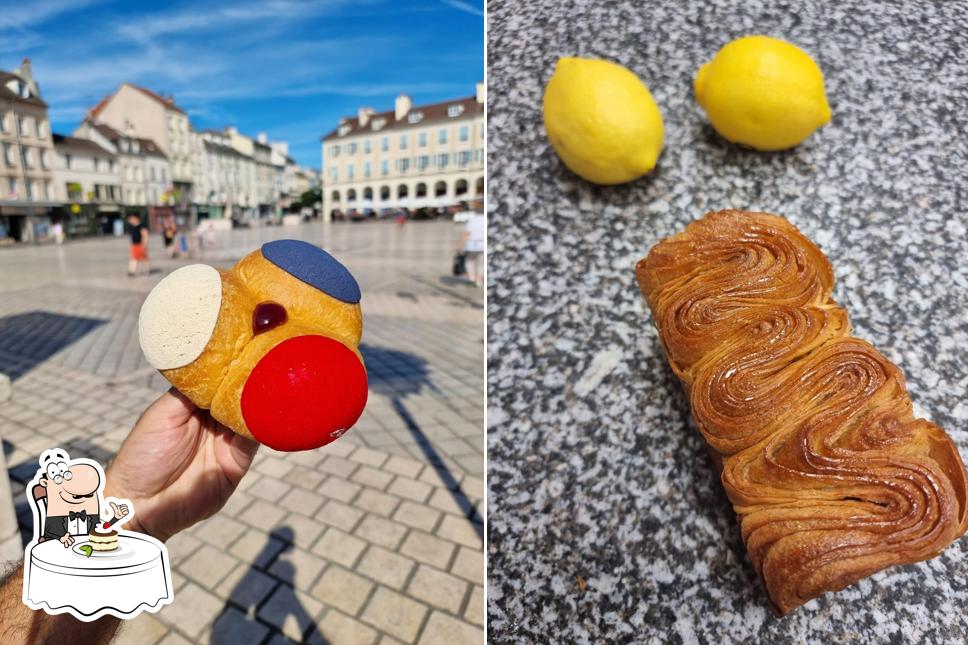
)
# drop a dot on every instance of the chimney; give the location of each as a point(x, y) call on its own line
point(402, 106)
point(232, 130)
point(364, 114)
point(479, 92)
point(25, 70)
point(261, 137)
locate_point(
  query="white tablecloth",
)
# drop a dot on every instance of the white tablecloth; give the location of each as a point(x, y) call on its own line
point(118, 583)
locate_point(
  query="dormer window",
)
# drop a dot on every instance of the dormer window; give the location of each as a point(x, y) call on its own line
point(23, 90)
point(379, 123)
point(455, 110)
point(414, 117)
point(344, 130)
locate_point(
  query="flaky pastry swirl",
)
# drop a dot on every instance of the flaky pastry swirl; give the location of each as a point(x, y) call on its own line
point(830, 474)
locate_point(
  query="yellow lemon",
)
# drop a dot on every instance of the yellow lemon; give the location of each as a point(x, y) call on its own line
point(763, 92)
point(602, 120)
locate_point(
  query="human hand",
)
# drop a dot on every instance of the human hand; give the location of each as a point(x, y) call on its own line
point(177, 466)
point(67, 539)
point(119, 511)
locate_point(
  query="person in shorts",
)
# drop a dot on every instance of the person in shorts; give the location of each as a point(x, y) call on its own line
point(139, 245)
point(473, 241)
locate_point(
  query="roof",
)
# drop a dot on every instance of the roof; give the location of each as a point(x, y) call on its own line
point(147, 146)
point(229, 150)
point(6, 93)
point(64, 141)
point(167, 103)
point(432, 113)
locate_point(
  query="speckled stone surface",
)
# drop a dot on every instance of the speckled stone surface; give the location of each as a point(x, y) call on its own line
point(606, 520)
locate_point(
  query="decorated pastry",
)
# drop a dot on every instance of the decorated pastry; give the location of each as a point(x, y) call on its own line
point(831, 475)
point(270, 346)
point(102, 539)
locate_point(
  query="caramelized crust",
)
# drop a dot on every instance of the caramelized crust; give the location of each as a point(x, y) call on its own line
point(831, 476)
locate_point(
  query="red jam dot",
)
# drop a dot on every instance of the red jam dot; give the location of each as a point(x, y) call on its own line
point(267, 315)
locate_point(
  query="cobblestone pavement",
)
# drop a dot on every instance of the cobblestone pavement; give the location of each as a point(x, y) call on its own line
point(376, 538)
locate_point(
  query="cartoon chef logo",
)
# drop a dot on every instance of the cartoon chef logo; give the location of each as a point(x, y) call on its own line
point(81, 560)
point(72, 492)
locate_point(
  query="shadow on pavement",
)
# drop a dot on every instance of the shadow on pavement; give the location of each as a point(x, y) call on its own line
point(396, 375)
point(33, 337)
point(235, 623)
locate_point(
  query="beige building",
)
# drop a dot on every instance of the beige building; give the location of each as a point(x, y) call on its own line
point(139, 112)
point(409, 157)
point(26, 158)
point(143, 168)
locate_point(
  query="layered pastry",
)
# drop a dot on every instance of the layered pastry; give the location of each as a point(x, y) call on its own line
point(831, 475)
point(270, 346)
point(102, 539)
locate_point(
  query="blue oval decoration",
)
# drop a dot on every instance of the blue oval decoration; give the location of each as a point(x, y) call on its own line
point(313, 266)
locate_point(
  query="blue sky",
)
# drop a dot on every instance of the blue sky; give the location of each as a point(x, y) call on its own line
point(289, 68)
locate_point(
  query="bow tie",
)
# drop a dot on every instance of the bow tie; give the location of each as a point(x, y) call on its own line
point(77, 515)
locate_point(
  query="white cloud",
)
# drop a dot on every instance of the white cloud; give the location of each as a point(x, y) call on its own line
point(464, 6)
point(26, 14)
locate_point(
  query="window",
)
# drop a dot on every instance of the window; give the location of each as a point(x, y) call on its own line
point(349, 171)
point(384, 167)
point(463, 158)
point(45, 159)
point(334, 151)
point(152, 173)
point(385, 144)
point(97, 165)
point(12, 187)
point(68, 159)
point(443, 160)
point(334, 174)
point(3, 122)
point(29, 185)
point(22, 125)
point(422, 139)
point(366, 169)
point(403, 142)
point(367, 147)
point(39, 128)
point(26, 158)
point(455, 110)
point(422, 162)
point(403, 165)
point(8, 154)
point(352, 149)
point(164, 176)
point(465, 133)
point(442, 135)
point(48, 194)
point(414, 117)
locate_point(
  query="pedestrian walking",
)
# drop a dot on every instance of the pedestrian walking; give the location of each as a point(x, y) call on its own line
point(168, 231)
point(473, 243)
point(139, 245)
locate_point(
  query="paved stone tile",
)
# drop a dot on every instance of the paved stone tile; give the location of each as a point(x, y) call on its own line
point(437, 588)
point(403, 466)
point(437, 477)
point(372, 477)
point(235, 627)
point(427, 548)
point(338, 466)
point(236, 504)
point(291, 611)
point(246, 586)
point(339, 489)
point(297, 568)
point(447, 501)
point(274, 467)
point(413, 489)
point(442, 629)
point(368, 457)
point(298, 529)
point(182, 545)
point(262, 514)
point(380, 531)
point(395, 614)
point(343, 589)
point(269, 489)
point(219, 530)
point(469, 564)
point(208, 565)
point(376, 502)
point(338, 628)
point(473, 487)
point(339, 515)
point(417, 515)
point(475, 607)
point(385, 567)
point(193, 611)
point(256, 547)
point(304, 477)
point(339, 547)
point(301, 501)
point(174, 638)
point(143, 630)
point(459, 529)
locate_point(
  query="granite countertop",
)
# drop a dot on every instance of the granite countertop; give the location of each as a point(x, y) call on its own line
point(607, 522)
